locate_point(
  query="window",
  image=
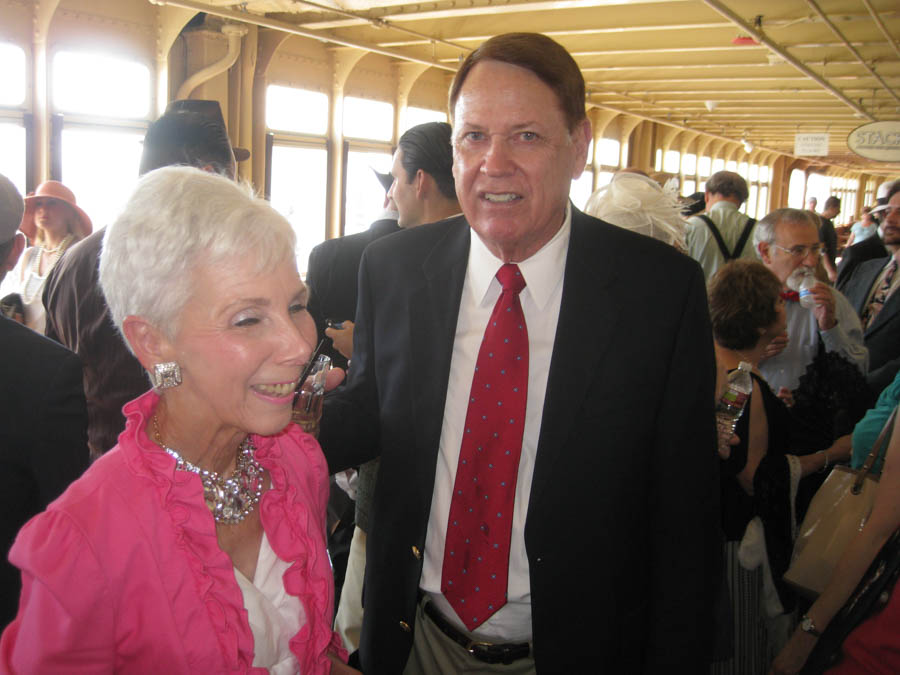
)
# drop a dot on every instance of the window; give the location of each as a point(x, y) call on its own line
point(299, 190)
point(688, 188)
point(12, 75)
point(12, 130)
point(364, 118)
point(122, 91)
point(581, 188)
point(415, 116)
point(103, 127)
point(657, 165)
point(12, 158)
point(689, 164)
point(731, 165)
point(100, 165)
point(752, 207)
point(672, 163)
point(608, 152)
point(744, 170)
point(796, 188)
point(703, 167)
point(365, 195)
point(718, 165)
point(296, 110)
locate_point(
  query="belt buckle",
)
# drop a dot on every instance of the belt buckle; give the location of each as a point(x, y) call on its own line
point(479, 650)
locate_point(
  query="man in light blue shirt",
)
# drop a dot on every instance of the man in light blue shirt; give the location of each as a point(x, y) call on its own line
point(724, 233)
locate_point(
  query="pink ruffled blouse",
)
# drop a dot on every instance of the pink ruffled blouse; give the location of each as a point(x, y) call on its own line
point(124, 573)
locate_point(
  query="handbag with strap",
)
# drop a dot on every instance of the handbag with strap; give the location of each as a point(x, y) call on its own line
point(870, 597)
point(837, 512)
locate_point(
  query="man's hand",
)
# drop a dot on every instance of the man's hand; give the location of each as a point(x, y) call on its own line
point(824, 309)
point(334, 377)
point(786, 396)
point(342, 338)
point(776, 346)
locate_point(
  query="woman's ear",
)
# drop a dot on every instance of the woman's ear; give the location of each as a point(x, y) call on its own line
point(150, 345)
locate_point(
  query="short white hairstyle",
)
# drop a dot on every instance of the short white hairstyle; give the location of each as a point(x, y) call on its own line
point(176, 220)
point(635, 202)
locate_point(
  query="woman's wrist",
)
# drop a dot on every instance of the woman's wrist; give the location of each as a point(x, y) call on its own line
point(825, 466)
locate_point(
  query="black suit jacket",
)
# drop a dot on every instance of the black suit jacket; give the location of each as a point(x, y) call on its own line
point(43, 437)
point(622, 526)
point(332, 276)
point(867, 249)
point(882, 335)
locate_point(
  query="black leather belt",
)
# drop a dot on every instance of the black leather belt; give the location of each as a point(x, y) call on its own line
point(488, 652)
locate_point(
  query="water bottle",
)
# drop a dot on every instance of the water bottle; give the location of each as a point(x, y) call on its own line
point(807, 299)
point(731, 404)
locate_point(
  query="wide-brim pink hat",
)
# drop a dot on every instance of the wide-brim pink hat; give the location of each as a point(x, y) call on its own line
point(53, 189)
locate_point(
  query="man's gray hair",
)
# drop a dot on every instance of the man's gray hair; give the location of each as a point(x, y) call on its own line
point(177, 220)
point(765, 228)
point(728, 184)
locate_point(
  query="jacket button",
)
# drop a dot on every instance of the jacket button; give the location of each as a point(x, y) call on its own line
point(405, 626)
point(416, 552)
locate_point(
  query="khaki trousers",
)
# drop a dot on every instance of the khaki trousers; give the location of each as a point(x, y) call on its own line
point(434, 653)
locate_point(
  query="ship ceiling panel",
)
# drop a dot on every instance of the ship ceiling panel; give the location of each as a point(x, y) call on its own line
point(664, 59)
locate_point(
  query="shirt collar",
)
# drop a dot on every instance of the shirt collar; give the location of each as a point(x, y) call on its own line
point(543, 271)
point(724, 204)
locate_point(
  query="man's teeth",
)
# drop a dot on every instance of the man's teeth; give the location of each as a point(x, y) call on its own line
point(276, 389)
point(502, 197)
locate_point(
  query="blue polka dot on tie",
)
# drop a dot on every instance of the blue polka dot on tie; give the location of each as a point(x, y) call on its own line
point(499, 515)
point(502, 483)
point(477, 589)
point(511, 420)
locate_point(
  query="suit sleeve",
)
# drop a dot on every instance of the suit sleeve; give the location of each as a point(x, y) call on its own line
point(65, 620)
point(846, 336)
point(686, 552)
point(314, 280)
point(350, 425)
point(60, 453)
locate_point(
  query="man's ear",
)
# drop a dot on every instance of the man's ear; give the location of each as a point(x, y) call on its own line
point(581, 137)
point(150, 345)
point(14, 252)
point(763, 250)
point(422, 184)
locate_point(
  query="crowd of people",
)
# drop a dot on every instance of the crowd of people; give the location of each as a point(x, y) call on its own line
point(167, 516)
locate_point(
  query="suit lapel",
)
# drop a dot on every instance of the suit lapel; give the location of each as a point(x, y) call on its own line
point(433, 312)
point(588, 318)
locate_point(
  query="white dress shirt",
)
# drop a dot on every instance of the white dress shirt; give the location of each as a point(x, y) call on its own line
point(540, 299)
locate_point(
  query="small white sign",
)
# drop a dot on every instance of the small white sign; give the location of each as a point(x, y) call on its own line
point(815, 145)
point(878, 140)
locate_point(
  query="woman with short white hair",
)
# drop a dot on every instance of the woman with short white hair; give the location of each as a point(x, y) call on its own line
point(198, 543)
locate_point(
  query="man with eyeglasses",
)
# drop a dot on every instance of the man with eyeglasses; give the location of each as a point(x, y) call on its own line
point(787, 241)
point(871, 290)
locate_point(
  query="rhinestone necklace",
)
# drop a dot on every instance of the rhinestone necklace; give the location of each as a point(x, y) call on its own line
point(230, 499)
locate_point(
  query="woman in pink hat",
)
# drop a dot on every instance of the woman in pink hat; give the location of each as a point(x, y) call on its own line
point(52, 222)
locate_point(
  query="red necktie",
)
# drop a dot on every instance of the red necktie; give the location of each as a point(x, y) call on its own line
point(476, 553)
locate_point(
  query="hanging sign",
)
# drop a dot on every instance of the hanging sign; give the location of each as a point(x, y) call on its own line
point(878, 140)
point(815, 145)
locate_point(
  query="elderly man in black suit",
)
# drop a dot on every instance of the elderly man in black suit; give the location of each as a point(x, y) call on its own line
point(539, 385)
point(872, 292)
point(43, 415)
